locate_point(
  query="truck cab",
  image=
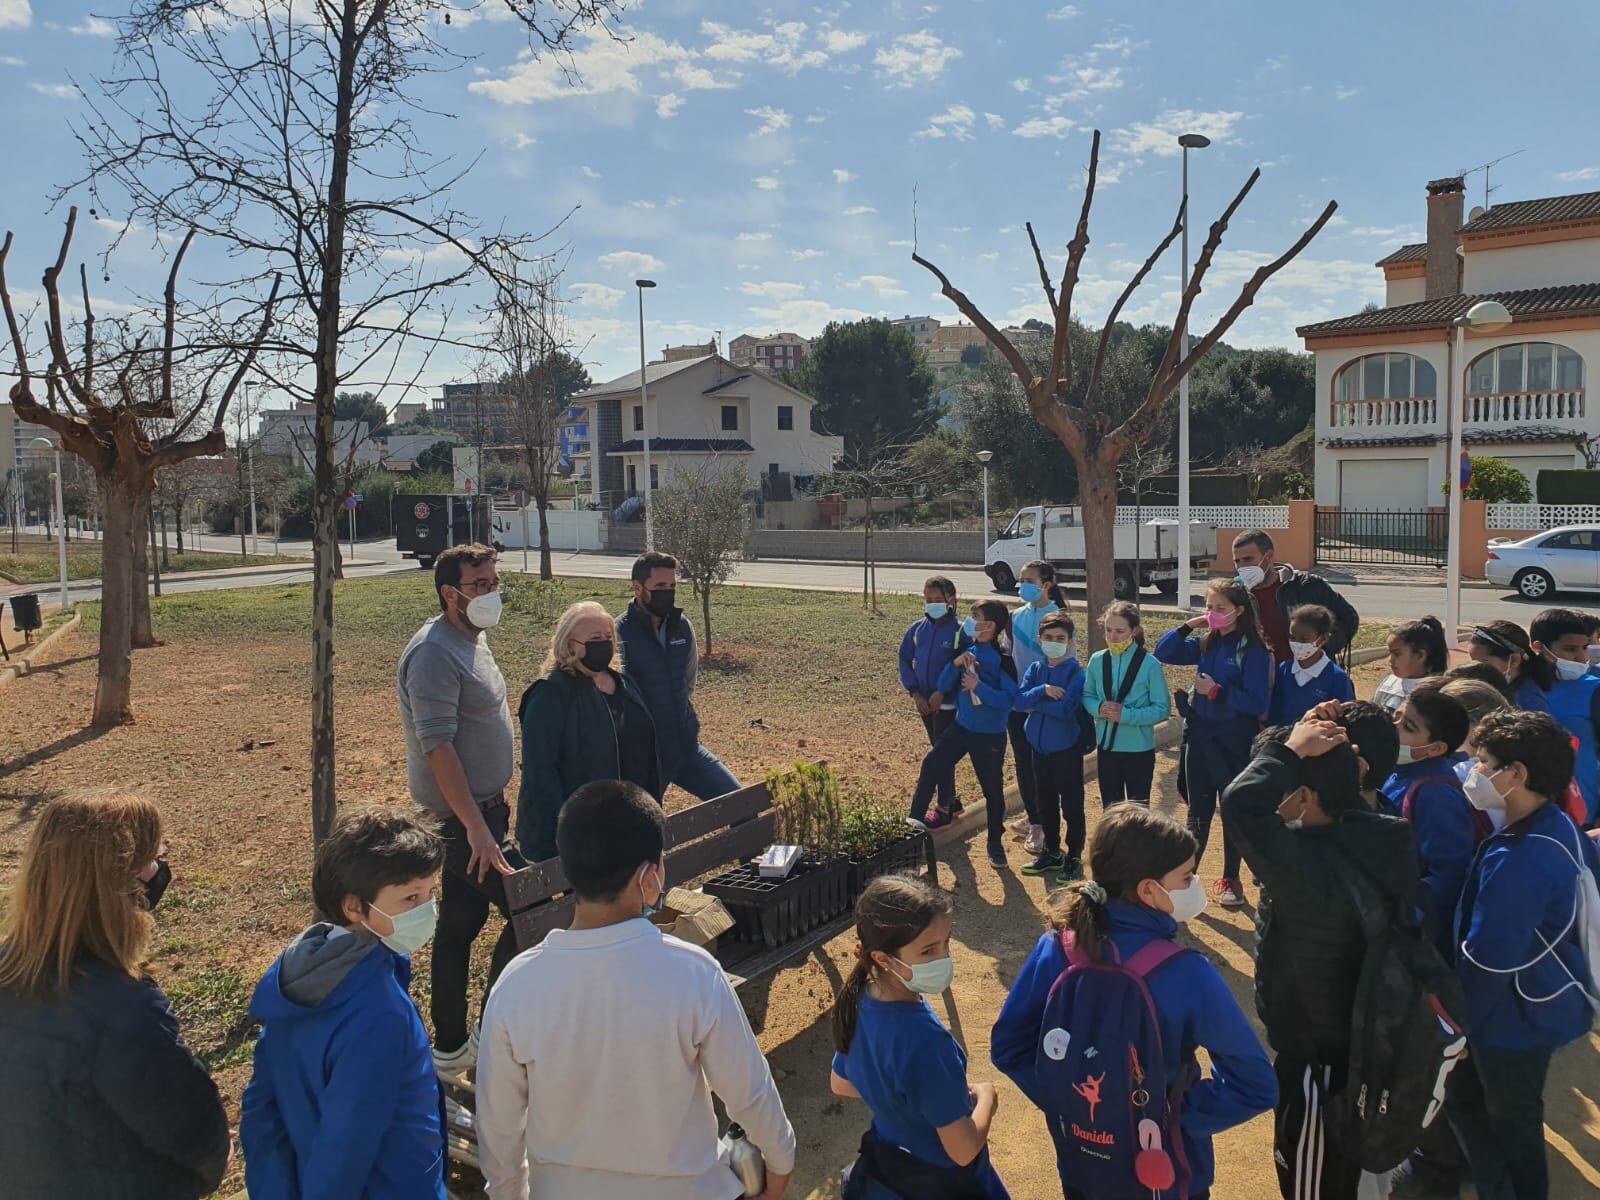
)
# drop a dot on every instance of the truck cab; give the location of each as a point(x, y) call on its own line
point(1145, 555)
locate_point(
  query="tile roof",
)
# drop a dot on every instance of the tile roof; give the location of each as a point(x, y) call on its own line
point(1540, 434)
point(1519, 214)
point(686, 446)
point(630, 381)
point(1577, 299)
point(1410, 252)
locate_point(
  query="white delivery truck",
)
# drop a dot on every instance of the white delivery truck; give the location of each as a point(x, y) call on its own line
point(1147, 552)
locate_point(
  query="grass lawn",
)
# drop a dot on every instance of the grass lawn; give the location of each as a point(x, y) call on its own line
point(222, 738)
point(37, 561)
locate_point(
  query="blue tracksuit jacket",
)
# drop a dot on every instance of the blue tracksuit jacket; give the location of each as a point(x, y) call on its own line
point(1291, 700)
point(926, 650)
point(996, 689)
point(1245, 676)
point(1053, 725)
point(1442, 824)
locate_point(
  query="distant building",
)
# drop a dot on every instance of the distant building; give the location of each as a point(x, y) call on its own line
point(574, 434)
point(922, 329)
point(683, 353)
point(405, 413)
point(476, 412)
point(942, 344)
point(15, 434)
point(291, 433)
point(774, 352)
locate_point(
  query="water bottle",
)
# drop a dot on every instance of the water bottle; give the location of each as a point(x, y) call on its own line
point(746, 1162)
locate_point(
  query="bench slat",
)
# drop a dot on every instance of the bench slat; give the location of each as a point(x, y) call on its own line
point(535, 884)
point(734, 845)
point(531, 924)
point(718, 813)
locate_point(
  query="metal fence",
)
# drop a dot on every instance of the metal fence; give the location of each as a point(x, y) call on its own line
point(1403, 538)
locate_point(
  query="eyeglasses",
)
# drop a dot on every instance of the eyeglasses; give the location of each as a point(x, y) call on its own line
point(479, 587)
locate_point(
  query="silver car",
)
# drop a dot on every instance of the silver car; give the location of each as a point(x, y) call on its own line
point(1565, 559)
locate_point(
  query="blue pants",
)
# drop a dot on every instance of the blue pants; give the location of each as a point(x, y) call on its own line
point(704, 777)
point(988, 754)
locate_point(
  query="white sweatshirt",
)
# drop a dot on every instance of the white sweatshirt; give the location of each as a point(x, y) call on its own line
point(599, 1053)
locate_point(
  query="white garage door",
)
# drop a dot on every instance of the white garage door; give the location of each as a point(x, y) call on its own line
point(1384, 485)
point(1532, 464)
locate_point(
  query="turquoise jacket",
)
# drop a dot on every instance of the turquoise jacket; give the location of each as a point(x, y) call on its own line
point(1025, 648)
point(1148, 703)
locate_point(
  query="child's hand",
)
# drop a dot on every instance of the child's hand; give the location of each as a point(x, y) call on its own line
point(969, 681)
point(935, 703)
point(1311, 739)
point(1053, 691)
point(1196, 622)
point(1111, 711)
point(985, 1093)
point(1328, 710)
point(920, 703)
point(966, 661)
point(1204, 684)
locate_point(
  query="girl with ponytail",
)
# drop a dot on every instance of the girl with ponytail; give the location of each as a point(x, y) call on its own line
point(1142, 886)
point(1042, 598)
point(930, 1131)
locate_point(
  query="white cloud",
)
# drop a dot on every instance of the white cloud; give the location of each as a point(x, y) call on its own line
point(816, 119)
point(754, 237)
point(92, 26)
point(1091, 78)
point(1404, 233)
point(859, 210)
point(996, 121)
point(600, 65)
point(767, 183)
point(15, 14)
point(1022, 85)
point(783, 47)
point(1065, 13)
point(641, 203)
point(1160, 136)
point(1578, 176)
point(62, 91)
point(667, 106)
point(842, 41)
point(840, 175)
point(806, 317)
point(589, 172)
point(630, 262)
point(1123, 45)
point(773, 290)
point(955, 121)
point(521, 141)
point(596, 295)
point(901, 244)
point(886, 287)
point(915, 58)
point(772, 119)
point(1344, 93)
point(1035, 127)
point(11, 60)
point(802, 255)
point(698, 79)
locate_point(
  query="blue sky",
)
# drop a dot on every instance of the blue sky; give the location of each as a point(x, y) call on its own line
point(759, 161)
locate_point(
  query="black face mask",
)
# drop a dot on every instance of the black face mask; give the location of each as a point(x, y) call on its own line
point(597, 655)
point(662, 602)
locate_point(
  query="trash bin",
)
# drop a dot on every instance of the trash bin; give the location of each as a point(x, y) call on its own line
point(25, 612)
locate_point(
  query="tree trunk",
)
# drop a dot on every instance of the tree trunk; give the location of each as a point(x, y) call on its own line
point(705, 613)
point(166, 559)
point(113, 698)
point(142, 635)
point(178, 528)
point(544, 539)
point(1097, 492)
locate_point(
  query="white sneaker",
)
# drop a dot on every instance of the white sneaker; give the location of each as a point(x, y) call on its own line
point(458, 1063)
point(1020, 824)
point(1034, 842)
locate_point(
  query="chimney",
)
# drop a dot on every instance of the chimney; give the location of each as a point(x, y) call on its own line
point(1446, 197)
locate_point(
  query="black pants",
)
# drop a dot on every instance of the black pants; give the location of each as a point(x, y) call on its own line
point(1211, 760)
point(1126, 775)
point(1022, 758)
point(1060, 777)
point(1496, 1106)
point(988, 754)
point(936, 723)
point(1311, 1165)
point(464, 905)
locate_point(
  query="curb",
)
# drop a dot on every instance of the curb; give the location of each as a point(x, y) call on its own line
point(18, 669)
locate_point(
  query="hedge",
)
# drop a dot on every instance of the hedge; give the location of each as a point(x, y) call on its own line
point(1568, 487)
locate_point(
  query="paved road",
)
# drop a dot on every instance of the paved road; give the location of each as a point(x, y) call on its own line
point(379, 557)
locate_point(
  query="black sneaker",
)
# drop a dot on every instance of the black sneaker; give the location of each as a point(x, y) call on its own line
point(997, 854)
point(1071, 871)
point(1045, 864)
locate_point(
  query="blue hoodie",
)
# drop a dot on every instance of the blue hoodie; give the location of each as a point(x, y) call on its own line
point(1446, 834)
point(996, 690)
point(343, 1103)
point(1194, 1008)
point(1518, 900)
point(1530, 697)
point(1244, 674)
point(926, 650)
point(1574, 703)
point(1053, 725)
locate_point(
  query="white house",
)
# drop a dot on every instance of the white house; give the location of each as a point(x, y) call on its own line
point(292, 433)
point(699, 408)
point(1382, 437)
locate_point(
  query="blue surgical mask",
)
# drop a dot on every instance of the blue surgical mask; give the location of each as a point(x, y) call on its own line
point(1029, 592)
point(936, 612)
point(969, 627)
point(930, 978)
point(651, 910)
point(1056, 651)
point(413, 929)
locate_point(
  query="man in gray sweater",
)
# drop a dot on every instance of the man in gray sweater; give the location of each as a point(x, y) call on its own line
point(460, 750)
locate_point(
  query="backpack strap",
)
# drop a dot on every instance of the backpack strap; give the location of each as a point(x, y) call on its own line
point(1129, 678)
point(1482, 827)
point(1153, 955)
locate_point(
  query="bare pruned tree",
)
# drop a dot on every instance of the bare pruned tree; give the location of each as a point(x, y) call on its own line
point(1142, 463)
point(301, 152)
point(101, 404)
point(703, 514)
point(878, 467)
point(1094, 435)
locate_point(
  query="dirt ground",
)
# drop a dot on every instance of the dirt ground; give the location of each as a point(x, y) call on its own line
point(222, 746)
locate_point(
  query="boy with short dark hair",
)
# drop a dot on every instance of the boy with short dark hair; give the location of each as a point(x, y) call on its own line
point(1308, 677)
point(931, 641)
point(1523, 968)
point(344, 1100)
point(1562, 636)
point(602, 1044)
point(1298, 815)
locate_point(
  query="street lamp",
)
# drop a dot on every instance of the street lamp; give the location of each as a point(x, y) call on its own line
point(1486, 316)
point(644, 407)
point(250, 460)
point(40, 443)
point(983, 457)
point(1189, 141)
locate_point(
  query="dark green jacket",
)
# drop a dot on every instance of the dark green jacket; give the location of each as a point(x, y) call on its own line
point(568, 740)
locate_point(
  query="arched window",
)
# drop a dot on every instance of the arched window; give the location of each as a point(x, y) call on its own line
point(1526, 381)
point(1385, 389)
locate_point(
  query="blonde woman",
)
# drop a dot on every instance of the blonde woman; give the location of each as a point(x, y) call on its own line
point(582, 720)
point(98, 1095)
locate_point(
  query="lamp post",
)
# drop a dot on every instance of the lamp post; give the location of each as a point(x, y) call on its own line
point(644, 406)
point(40, 443)
point(1486, 316)
point(983, 457)
point(1189, 141)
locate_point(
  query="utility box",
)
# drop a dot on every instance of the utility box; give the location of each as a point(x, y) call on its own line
point(426, 526)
